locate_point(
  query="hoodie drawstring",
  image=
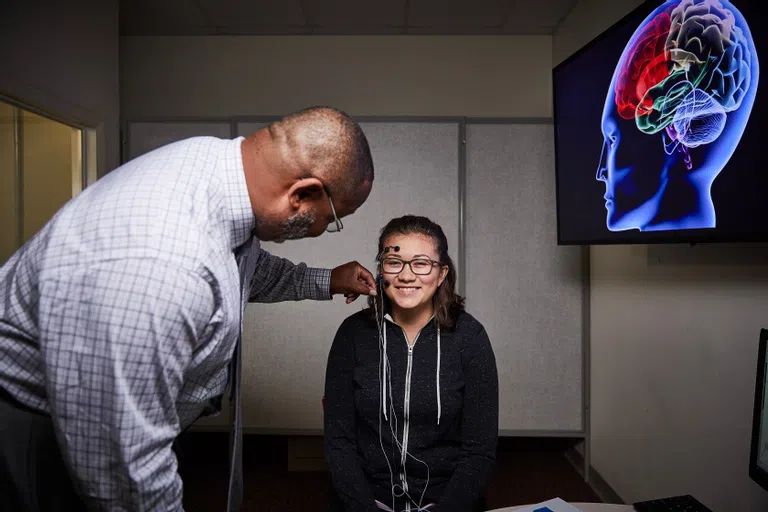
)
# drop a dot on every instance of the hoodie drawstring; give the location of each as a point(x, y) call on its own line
point(384, 378)
point(439, 405)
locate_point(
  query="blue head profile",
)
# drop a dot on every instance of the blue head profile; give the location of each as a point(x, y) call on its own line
point(676, 109)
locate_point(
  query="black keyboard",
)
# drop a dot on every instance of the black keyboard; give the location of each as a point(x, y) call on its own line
point(685, 503)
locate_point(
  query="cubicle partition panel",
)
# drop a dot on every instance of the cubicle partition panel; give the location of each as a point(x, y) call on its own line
point(143, 136)
point(490, 184)
point(525, 289)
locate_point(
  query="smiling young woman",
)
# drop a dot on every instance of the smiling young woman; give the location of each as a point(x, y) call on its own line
point(411, 391)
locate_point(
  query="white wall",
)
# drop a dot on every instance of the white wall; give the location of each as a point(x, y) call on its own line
point(585, 21)
point(62, 58)
point(364, 75)
point(673, 352)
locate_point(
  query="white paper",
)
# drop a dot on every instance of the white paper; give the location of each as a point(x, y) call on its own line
point(553, 505)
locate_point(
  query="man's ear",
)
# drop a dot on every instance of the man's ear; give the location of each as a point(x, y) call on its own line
point(303, 191)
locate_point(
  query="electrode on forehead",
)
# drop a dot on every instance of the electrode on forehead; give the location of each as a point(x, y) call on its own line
point(386, 250)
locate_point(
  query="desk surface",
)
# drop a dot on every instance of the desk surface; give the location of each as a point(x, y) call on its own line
point(585, 507)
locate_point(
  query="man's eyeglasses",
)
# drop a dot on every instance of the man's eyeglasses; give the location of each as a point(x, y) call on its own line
point(337, 225)
point(419, 266)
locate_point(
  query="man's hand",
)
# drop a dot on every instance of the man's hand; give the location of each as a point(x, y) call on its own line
point(352, 279)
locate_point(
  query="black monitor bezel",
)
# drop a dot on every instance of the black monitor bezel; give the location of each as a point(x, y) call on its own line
point(756, 473)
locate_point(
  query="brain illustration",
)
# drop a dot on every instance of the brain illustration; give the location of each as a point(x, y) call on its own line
point(683, 72)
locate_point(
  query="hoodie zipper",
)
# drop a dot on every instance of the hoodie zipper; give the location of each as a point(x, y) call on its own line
point(407, 412)
point(406, 423)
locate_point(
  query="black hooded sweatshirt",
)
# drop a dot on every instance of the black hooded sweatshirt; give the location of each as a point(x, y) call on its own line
point(444, 444)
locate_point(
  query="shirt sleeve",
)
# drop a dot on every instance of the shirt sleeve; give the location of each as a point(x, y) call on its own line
point(276, 279)
point(116, 339)
point(479, 428)
point(347, 476)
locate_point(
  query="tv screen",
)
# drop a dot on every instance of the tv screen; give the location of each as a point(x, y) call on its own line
point(658, 128)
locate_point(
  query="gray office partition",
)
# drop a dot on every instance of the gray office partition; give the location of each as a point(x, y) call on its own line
point(246, 128)
point(490, 184)
point(525, 289)
point(144, 136)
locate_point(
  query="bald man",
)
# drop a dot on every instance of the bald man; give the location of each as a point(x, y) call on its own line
point(120, 319)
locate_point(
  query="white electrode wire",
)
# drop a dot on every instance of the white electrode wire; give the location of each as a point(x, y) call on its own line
point(439, 405)
point(385, 381)
point(393, 431)
point(383, 361)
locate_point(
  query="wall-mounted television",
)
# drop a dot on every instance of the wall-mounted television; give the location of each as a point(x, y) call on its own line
point(658, 123)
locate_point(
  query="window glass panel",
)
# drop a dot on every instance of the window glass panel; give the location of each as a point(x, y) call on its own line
point(8, 186)
point(52, 169)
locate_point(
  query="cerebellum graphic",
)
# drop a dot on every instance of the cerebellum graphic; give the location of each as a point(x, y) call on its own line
point(683, 72)
point(698, 120)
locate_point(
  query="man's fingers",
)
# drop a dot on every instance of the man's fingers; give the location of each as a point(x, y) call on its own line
point(359, 288)
point(353, 280)
point(366, 289)
point(367, 277)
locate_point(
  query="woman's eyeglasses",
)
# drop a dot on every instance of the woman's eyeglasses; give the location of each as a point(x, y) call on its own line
point(419, 266)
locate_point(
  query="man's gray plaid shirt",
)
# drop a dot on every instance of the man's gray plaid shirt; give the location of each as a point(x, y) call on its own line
point(119, 318)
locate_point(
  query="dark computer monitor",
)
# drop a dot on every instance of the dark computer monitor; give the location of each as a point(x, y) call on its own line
point(758, 458)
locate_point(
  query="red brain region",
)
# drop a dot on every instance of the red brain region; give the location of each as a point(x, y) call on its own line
point(645, 65)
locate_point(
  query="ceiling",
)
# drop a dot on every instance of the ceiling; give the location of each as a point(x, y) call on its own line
point(347, 17)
